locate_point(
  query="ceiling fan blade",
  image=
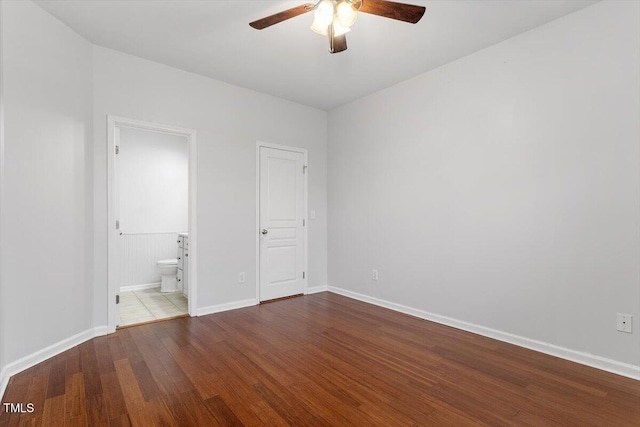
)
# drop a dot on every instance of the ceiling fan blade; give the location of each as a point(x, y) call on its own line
point(281, 16)
point(389, 9)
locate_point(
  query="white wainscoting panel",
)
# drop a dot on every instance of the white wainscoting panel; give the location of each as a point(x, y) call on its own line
point(138, 254)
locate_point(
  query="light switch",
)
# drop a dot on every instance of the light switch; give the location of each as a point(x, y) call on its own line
point(313, 214)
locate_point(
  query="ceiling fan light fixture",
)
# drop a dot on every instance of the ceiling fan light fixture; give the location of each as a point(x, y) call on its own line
point(324, 13)
point(339, 29)
point(329, 12)
point(345, 13)
point(318, 28)
point(323, 17)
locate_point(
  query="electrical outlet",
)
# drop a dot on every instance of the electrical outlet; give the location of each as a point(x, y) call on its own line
point(374, 275)
point(241, 277)
point(624, 322)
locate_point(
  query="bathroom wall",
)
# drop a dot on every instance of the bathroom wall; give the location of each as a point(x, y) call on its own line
point(152, 176)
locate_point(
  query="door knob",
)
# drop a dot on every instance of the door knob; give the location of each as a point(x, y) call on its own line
point(265, 231)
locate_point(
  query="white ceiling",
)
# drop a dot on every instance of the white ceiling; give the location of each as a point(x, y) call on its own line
point(213, 38)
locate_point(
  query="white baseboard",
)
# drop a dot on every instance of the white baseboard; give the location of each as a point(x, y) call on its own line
point(33, 359)
point(203, 311)
point(4, 381)
point(130, 288)
point(609, 365)
point(316, 289)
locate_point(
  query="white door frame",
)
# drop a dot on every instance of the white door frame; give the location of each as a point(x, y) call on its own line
point(303, 151)
point(113, 123)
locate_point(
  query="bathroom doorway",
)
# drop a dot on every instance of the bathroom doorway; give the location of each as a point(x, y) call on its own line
point(151, 210)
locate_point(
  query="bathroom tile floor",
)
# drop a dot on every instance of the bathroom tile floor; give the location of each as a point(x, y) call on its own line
point(150, 304)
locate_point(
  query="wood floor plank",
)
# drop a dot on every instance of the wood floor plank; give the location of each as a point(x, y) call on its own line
point(267, 415)
point(115, 347)
point(90, 370)
point(238, 397)
point(113, 397)
point(97, 411)
point(72, 362)
point(54, 411)
point(222, 413)
point(128, 383)
point(129, 346)
point(196, 370)
point(103, 357)
point(145, 380)
point(16, 392)
point(120, 421)
point(155, 368)
point(318, 360)
point(79, 421)
point(292, 414)
point(179, 379)
point(197, 409)
point(75, 403)
point(161, 413)
point(57, 376)
point(36, 395)
point(179, 411)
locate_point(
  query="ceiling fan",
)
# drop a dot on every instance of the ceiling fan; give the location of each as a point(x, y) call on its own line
point(334, 18)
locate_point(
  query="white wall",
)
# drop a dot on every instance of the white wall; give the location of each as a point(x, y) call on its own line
point(152, 172)
point(228, 120)
point(46, 222)
point(502, 189)
point(3, 379)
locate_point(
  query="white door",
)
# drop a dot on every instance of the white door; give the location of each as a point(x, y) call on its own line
point(281, 223)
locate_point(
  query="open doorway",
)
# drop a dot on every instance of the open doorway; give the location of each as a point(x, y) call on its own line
point(151, 206)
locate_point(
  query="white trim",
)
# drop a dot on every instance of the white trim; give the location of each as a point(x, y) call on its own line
point(305, 184)
point(203, 311)
point(316, 289)
point(130, 288)
point(46, 353)
point(257, 230)
point(4, 381)
point(609, 365)
point(113, 124)
point(192, 291)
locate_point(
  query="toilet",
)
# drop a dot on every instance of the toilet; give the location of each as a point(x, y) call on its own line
point(168, 270)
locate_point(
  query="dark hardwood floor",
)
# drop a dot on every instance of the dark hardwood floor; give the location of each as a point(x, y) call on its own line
point(314, 360)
